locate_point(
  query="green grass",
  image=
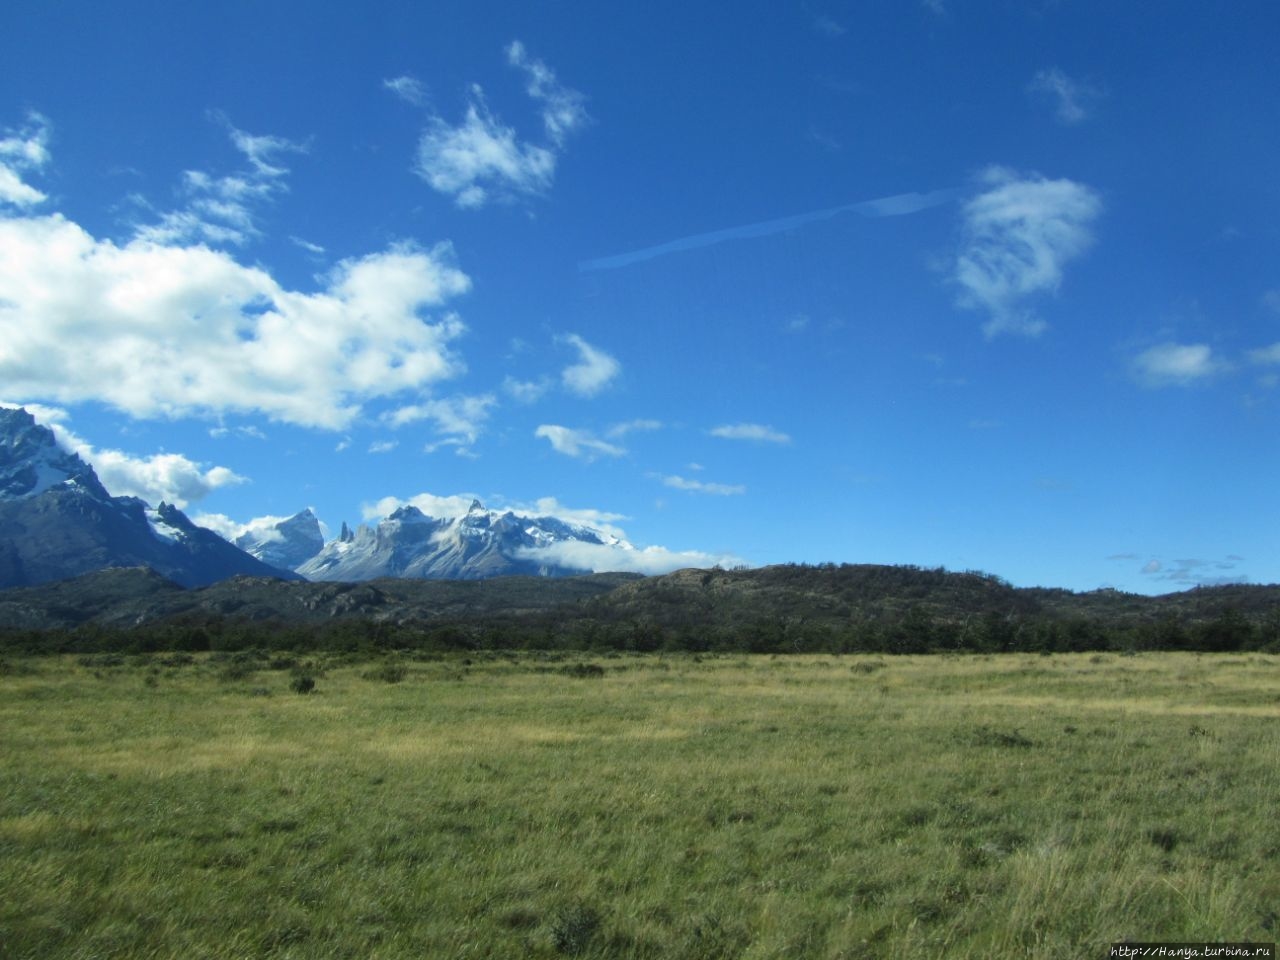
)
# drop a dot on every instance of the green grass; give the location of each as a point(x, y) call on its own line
point(825, 807)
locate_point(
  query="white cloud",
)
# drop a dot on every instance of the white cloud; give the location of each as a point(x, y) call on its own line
point(22, 150)
point(829, 28)
point(158, 329)
point(562, 108)
point(1176, 364)
point(1019, 234)
point(602, 558)
point(220, 210)
point(592, 372)
point(1266, 355)
point(526, 391)
point(619, 430)
point(577, 443)
point(461, 418)
point(482, 158)
point(407, 88)
point(1072, 98)
point(430, 504)
point(750, 431)
point(383, 446)
point(312, 248)
point(231, 530)
point(245, 430)
point(170, 477)
point(700, 486)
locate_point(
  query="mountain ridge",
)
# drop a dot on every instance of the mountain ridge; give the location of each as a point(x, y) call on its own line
point(57, 520)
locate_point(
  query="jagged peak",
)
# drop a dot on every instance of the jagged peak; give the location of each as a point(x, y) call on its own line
point(476, 507)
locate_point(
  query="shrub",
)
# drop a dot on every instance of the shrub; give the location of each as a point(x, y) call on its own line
point(302, 683)
point(573, 927)
point(584, 671)
point(387, 673)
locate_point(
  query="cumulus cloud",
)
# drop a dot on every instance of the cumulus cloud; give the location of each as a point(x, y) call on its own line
point(593, 371)
point(1018, 235)
point(26, 148)
point(757, 432)
point(482, 158)
point(1176, 364)
point(700, 486)
point(577, 443)
point(167, 330)
point(170, 477)
point(231, 530)
point(481, 155)
point(1072, 99)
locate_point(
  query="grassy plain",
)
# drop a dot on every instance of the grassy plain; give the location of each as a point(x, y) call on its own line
point(671, 807)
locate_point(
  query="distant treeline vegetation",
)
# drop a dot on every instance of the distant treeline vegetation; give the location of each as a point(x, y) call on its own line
point(781, 609)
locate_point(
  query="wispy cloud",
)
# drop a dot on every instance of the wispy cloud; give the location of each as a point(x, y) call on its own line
point(702, 486)
point(829, 27)
point(1195, 571)
point(895, 206)
point(1073, 100)
point(526, 391)
point(631, 426)
point(1177, 364)
point(408, 88)
point(221, 210)
point(1019, 234)
point(756, 432)
point(563, 109)
point(1266, 355)
point(593, 371)
point(581, 444)
point(460, 419)
point(483, 159)
point(21, 150)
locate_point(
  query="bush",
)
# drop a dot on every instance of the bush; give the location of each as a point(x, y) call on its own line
point(387, 673)
point(584, 671)
point(573, 928)
point(302, 683)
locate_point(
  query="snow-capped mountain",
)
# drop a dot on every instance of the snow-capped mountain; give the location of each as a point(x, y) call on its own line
point(31, 461)
point(482, 543)
point(58, 521)
point(287, 543)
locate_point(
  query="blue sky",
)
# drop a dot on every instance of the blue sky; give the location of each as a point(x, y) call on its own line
point(983, 285)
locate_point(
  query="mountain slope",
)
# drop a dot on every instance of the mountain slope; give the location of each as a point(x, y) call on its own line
point(58, 521)
point(479, 545)
point(286, 544)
